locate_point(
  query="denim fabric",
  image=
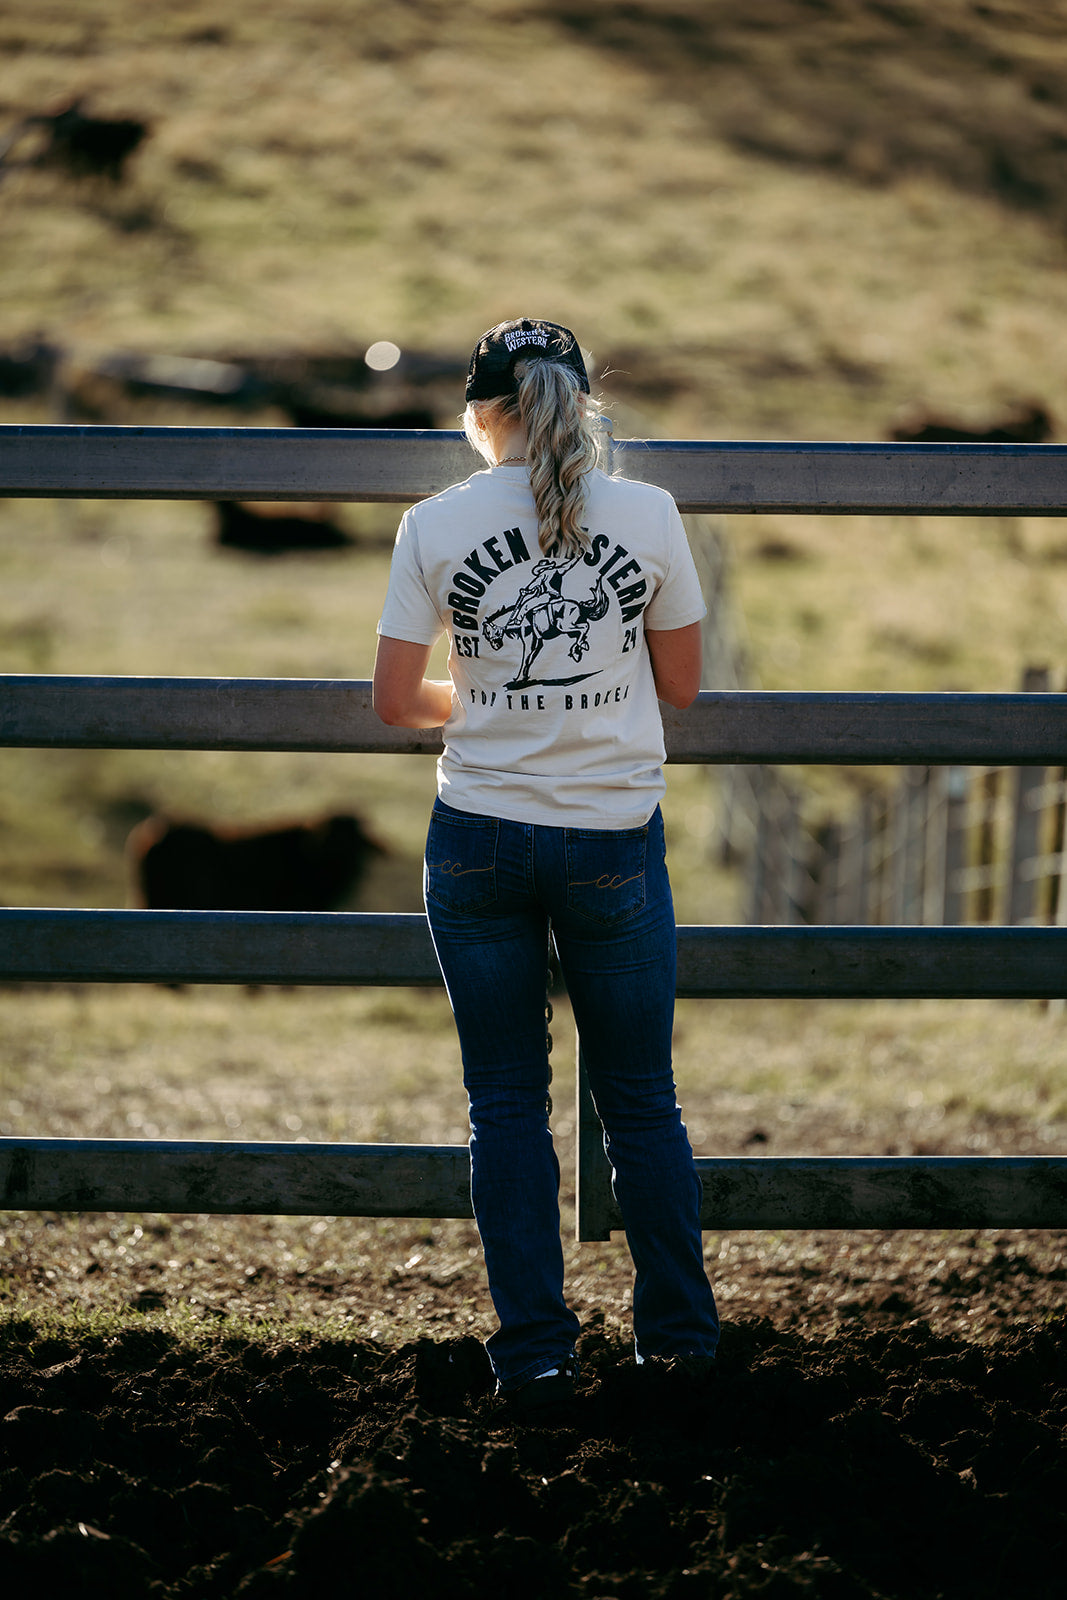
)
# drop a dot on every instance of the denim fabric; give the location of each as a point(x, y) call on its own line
point(495, 892)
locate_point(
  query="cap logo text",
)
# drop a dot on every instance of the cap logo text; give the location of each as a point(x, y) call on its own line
point(517, 337)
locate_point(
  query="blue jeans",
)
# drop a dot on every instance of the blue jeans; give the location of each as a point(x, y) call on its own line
point(493, 890)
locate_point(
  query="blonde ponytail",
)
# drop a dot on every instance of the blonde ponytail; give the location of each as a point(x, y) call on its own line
point(562, 446)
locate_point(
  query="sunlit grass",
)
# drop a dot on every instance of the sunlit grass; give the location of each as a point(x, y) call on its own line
point(377, 1065)
point(32, 1326)
point(904, 603)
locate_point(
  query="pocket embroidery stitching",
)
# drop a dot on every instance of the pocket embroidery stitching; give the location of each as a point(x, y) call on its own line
point(604, 882)
point(454, 869)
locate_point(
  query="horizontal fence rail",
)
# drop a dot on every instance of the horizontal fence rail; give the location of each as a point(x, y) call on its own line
point(218, 1177)
point(882, 1192)
point(724, 727)
point(401, 466)
point(394, 948)
point(222, 1178)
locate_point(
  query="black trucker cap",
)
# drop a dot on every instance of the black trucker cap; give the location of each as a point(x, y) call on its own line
point(492, 368)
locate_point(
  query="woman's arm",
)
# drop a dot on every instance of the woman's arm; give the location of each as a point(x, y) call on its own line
point(677, 658)
point(403, 695)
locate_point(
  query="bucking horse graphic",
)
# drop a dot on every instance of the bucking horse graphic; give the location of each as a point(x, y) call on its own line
point(542, 611)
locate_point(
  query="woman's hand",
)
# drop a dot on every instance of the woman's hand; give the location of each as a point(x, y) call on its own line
point(403, 695)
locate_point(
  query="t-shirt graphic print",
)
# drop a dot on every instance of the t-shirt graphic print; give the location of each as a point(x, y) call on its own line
point(542, 611)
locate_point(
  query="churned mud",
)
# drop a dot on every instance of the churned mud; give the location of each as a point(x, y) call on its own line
point(873, 1461)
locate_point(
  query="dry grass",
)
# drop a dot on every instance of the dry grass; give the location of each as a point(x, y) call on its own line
point(908, 603)
point(800, 218)
point(213, 1063)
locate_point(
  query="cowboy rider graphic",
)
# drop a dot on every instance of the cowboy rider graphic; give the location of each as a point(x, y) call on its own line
point(542, 611)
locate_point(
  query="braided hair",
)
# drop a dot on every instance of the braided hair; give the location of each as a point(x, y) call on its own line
point(562, 446)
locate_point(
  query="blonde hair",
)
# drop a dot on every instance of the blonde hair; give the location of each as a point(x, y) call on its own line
point(562, 446)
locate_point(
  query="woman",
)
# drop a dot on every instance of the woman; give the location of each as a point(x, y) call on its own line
point(571, 603)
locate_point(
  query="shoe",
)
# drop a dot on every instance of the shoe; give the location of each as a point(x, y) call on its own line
point(549, 1390)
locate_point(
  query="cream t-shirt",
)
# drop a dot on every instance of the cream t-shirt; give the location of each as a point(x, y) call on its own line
point(554, 712)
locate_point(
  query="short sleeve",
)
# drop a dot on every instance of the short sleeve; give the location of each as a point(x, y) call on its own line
point(679, 600)
point(408, 612)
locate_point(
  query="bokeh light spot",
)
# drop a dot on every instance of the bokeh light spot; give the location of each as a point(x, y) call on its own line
point(382, 355)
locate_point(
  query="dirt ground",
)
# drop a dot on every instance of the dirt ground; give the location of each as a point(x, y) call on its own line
point(886, 1419)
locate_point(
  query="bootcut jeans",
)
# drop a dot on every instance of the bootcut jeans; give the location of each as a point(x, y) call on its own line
point(494, 890)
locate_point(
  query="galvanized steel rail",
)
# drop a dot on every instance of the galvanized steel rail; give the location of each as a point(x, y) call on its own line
point(401, 466)
point(231, 947)
point(723, 727)
point(394, 949)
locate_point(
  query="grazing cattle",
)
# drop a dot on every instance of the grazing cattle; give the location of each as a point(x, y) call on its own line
point(1030, 424)
point(306, 866)
point(270, 532)
point(88, 146)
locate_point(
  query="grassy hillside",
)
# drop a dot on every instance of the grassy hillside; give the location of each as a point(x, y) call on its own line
point(784, 219)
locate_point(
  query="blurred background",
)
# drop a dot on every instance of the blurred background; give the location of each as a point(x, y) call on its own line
point(805, 219)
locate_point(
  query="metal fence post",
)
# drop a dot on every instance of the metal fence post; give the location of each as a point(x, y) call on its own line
point(947, 847)
point(1026, 821)
point(910, 846)
point(984, 876)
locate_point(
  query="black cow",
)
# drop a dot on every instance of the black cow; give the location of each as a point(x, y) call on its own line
point(1030, 424)
point(88, 146)
point(27, 368)
point(305, 866)
point(274, 533)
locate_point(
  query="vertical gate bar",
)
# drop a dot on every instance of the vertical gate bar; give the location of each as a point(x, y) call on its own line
point(880, 900)
point(592, 1187)
point(778, 862)
point(758, 868)
point(909, 833)
point(1056, 891)
point(985, 894)
point(827, 883)
point(954, 835)
point(936, 864)
point(796, 887)
point(866, 898)
point(1025, 821)
point(918, 823)
point(897, 841)
point(850, 871)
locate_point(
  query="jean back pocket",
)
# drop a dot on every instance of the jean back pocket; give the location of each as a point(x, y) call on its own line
point(606, 873)
point(461, 860)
